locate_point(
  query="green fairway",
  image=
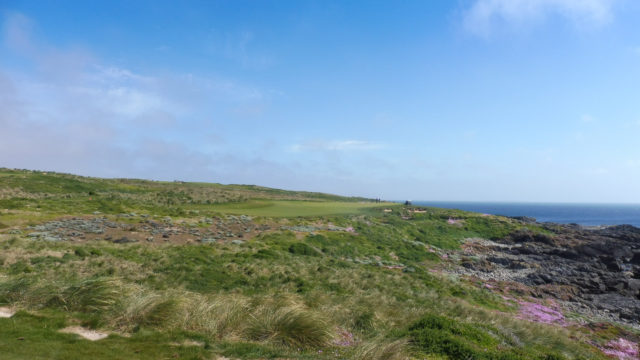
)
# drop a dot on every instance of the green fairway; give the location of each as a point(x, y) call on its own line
point(297, 208)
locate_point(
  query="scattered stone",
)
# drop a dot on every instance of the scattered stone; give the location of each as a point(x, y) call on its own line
point(37, 234)
point(52, 238)
point(237, 242)
point(125, 240)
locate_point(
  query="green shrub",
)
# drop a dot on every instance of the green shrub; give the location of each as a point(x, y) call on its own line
point(81, 252)
point(20, 267)
point(301, 248)
point(435, 334)
point(266, 254)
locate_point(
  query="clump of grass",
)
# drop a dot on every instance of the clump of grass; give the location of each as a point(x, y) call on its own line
point(90, 295)
point(380, 349)
point(146, 309)
point(444, 336)
point(290, 325)
point(15, 289)
point(219, 317)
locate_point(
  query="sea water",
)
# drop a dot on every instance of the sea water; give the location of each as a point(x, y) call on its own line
point(583, 214)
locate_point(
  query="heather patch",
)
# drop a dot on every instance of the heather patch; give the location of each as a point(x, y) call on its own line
point(540, 313)
point(622, 349)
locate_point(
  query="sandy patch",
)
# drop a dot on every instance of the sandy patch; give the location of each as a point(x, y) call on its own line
point(5, 312)
point(188, 343)
point(85, 333)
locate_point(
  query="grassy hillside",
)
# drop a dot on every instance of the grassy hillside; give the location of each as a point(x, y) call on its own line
point(206, 271)
point(39, 195)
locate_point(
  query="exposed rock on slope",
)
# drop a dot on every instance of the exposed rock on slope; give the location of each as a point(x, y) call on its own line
point(592, 272)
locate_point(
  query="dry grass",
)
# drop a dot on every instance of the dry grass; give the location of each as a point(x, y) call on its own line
point(381, 349)
point(224, 316)
point(285, 320)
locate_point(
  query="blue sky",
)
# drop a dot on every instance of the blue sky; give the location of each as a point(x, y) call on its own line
point(477, 100)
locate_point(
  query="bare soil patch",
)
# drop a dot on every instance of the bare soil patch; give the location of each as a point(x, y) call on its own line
point(85, 333)
point(6, 312)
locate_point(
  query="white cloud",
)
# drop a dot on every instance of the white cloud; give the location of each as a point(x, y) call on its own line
point(483, 15)
point(68, 110)
point(336, 145)
point(17, 32)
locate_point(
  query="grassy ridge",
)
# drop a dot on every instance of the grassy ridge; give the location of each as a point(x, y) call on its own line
point(331, 279)
point(53, 194)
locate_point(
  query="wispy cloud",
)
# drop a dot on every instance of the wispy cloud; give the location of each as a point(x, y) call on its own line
point(17, 32)
point(484, 15)
point(336, 145)
point(68, 110)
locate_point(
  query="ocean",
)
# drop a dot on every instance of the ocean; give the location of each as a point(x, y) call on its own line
point(583, 214)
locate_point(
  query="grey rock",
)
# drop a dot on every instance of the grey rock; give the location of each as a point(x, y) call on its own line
point(125, 240)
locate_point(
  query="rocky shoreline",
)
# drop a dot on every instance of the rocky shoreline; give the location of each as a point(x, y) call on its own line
point(593, 272)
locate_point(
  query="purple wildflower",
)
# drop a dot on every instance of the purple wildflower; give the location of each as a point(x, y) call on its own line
point(540, 313)
point(345, 338)
point(622, 349)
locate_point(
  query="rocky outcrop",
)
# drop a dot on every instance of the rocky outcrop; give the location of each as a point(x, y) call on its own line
point(594, 271)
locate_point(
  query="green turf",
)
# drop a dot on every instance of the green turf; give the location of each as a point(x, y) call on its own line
point(297, 208)
point(25, 336)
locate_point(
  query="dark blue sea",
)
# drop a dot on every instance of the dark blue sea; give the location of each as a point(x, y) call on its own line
point(583, 214)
